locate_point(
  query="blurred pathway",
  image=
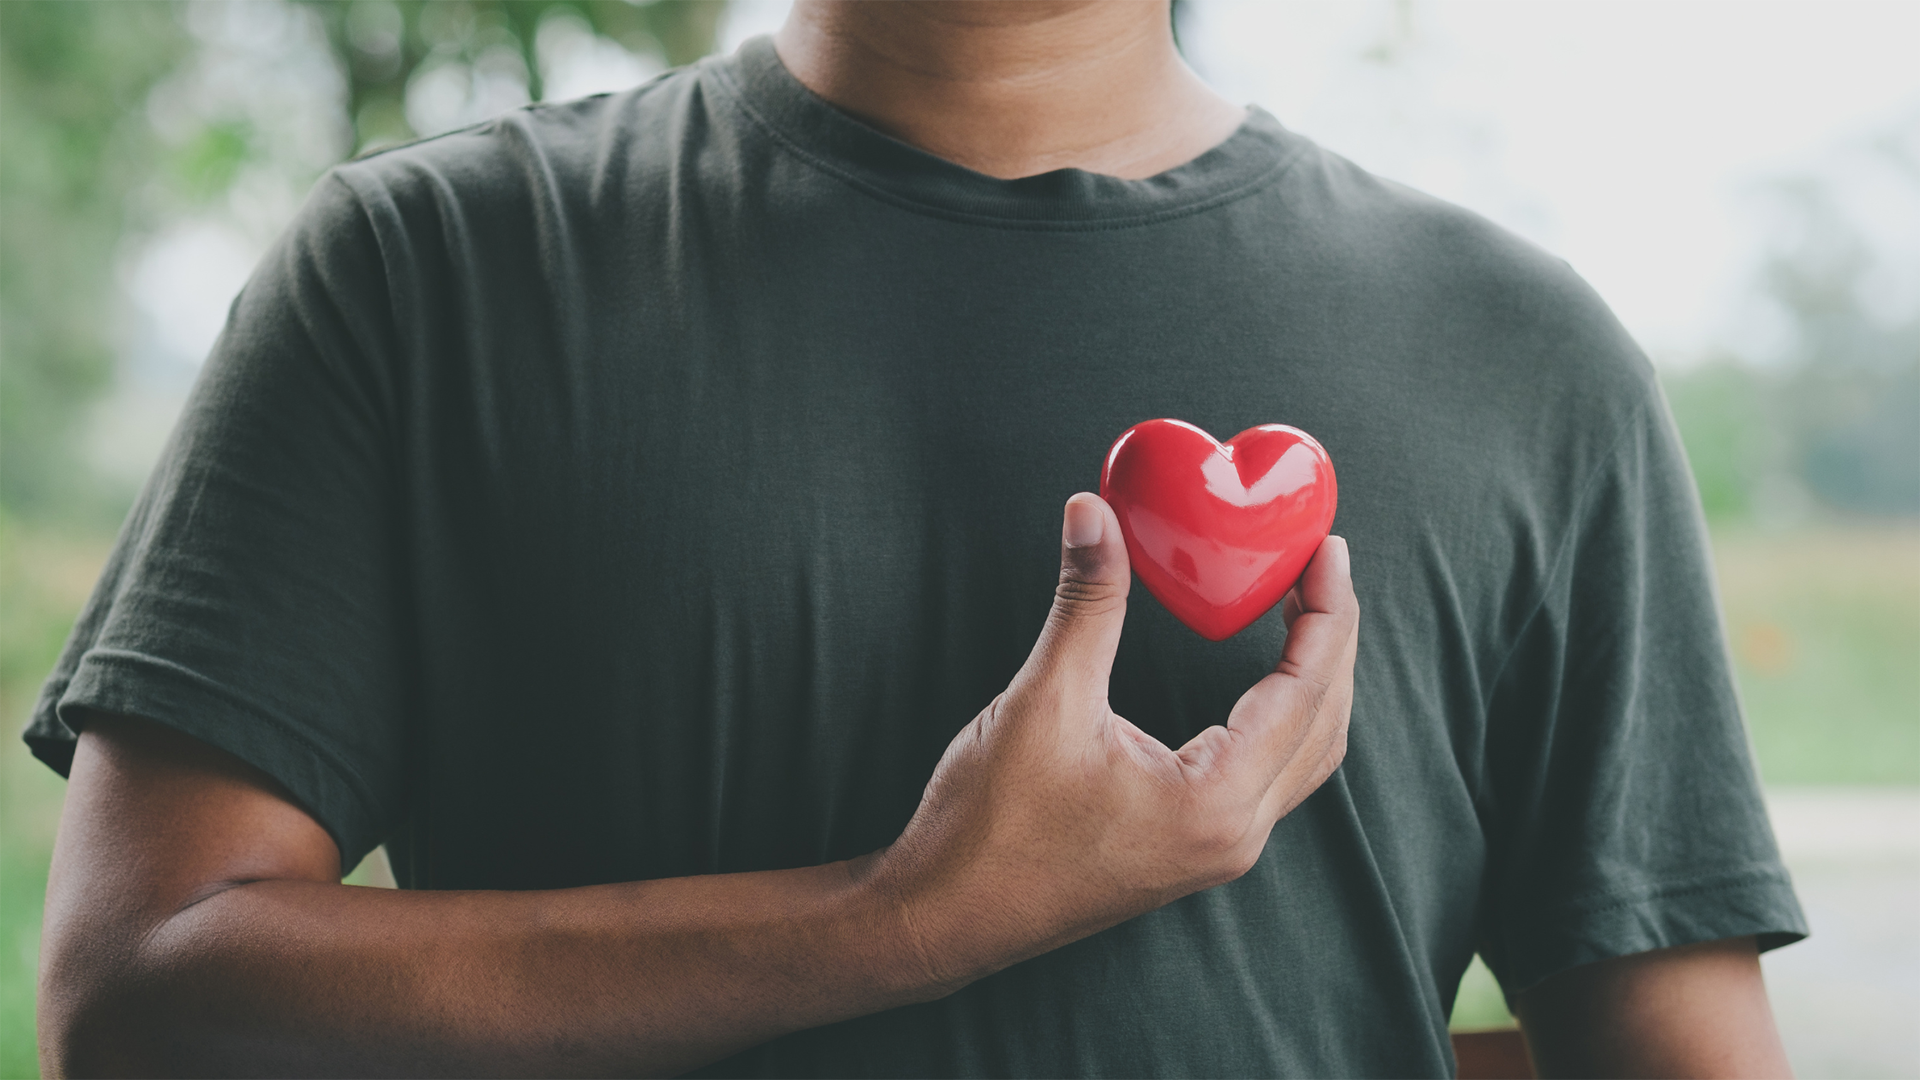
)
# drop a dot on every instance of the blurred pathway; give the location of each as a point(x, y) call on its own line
point(1848, 998)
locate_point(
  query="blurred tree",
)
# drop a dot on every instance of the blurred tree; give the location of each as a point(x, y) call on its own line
point(82, 168)
point(73, 80)
point(1834, 411)
point(1853, 396)
point(383, 44)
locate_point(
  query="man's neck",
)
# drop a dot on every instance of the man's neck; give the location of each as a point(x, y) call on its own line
point(1013, 87)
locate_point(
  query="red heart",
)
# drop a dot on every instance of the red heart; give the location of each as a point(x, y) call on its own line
point(1219, 532)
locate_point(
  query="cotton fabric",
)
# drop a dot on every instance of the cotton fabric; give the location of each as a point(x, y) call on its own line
point(654, 484)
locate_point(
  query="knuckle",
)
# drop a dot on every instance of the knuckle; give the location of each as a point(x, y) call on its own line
point(1214, 843)
point(1073, 587)
point(1075, 596)
point(1317, 683)
point(1237, 861)
point(1245, 860)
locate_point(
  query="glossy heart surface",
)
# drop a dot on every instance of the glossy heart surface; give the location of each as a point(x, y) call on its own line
point(1218, 532)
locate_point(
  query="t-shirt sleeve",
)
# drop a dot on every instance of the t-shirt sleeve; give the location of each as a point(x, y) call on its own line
point(254, 599)
point(1626, 814)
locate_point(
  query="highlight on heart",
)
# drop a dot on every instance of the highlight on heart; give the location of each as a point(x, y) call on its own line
point(1219, 531)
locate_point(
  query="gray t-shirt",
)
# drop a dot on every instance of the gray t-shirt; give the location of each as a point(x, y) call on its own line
point(653, 484)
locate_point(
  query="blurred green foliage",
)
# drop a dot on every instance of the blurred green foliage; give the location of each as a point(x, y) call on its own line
point(1479, 1003)
point(45, 575)
point(1723, 411)
point(382, 44)
point(207, 165)
point(1834, 417)
point(1824, 625)
point(82, 170)
point(1774, 445)
point(73, 82)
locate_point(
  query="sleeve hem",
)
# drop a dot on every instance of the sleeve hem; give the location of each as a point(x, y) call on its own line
point(135, 684)
point(1757, 901)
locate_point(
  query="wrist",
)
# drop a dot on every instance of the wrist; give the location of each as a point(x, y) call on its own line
point(900, 935)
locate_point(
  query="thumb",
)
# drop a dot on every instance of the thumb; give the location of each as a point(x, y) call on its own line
point(1075, 650)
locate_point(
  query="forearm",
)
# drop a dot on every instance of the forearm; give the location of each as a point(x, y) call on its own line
point(651, 977)
point(195, 923)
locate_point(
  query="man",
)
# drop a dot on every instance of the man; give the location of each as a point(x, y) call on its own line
point(635, 513)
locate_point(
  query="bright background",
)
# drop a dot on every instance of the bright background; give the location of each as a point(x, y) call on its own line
point(1740, 181)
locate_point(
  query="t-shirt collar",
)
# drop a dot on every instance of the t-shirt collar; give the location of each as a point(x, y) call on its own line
point(839, 144)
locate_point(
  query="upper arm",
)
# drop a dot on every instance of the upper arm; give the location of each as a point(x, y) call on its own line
point(1622, 811)
point(154, 821)
point(1691, 1011)
point(257, 598)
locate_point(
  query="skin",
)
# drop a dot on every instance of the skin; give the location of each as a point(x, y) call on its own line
point(1013, 88)
point(1695, 1010)
point(195, 923)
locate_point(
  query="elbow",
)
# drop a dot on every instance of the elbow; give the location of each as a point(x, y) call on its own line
point(93, 1016)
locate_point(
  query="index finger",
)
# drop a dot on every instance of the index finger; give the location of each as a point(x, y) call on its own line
point(1273, 719)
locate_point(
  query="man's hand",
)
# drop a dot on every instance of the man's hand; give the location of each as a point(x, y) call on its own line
point(1050, 817)
point(196, 924)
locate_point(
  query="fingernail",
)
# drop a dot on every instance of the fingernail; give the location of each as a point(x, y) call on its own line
point(1085, 523)
point(1341, 561)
